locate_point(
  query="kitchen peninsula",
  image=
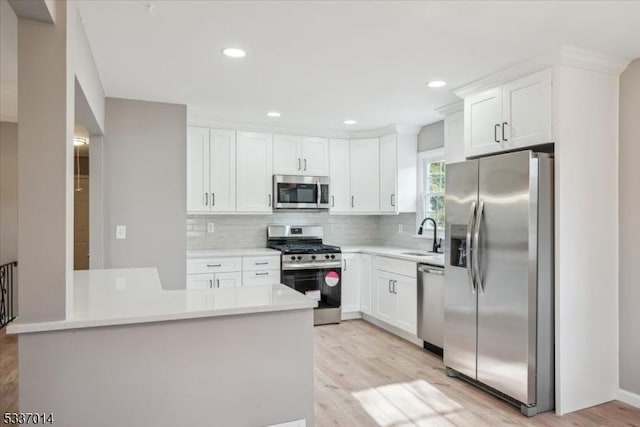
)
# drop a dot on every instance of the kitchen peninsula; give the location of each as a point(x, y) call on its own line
point(179, 351)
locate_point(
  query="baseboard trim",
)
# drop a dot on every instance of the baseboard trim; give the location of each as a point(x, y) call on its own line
point(628, 397)
point(350, 315)
point(392, 329)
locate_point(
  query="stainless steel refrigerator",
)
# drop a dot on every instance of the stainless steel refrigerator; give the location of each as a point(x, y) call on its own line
point(498, 330)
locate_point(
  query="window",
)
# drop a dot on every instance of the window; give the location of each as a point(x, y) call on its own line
point(431, 170)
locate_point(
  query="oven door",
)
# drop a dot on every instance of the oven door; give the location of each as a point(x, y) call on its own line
point(300, 192)
point(322, 284)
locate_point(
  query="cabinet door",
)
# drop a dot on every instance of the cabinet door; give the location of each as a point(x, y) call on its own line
point(199, 281)
point(339, 173)
point(350, 283)
point(526, 111)
point(253, 172)
point(198, 169)
point(482, 120)
point(315, 156)
point(228, 280)
point(388, 173)
point(454, 138)
point(364, 169)
point(406, 291)
point(287, 159)
point(260, 277)
point(365, 284)
point(386, 307)
point(222, 161)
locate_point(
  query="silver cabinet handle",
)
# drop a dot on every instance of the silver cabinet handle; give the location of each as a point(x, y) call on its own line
point(206, 199)
point(344, 261)
point(214, 265)
point(211, 283)
point(393, 203)
point(262, 274)
point(213, 199)
point(472, 215)
point(353, 201)
point(476, 247)
point(389, 286)
point(217, 283)
point(305, 164)
point(261, 263)
point(298, 164)
point(395, 287)
point(495, 133)
point(503, 125)
point(269, 200)
point(333, 201)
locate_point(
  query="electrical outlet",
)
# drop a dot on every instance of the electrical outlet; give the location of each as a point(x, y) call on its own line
point(210, 227)
point(400, 228)
point(121, 232)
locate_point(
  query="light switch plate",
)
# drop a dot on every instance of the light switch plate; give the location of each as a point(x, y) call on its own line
point(121, 232)
point(210, 227)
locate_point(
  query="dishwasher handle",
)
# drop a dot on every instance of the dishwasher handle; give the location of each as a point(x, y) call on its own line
point(438, 271)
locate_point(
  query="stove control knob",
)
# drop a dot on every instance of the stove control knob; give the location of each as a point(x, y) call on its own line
point(326, 256)
point(333, 257)
point(313, 257)
point(293, 258)
point(299, 257)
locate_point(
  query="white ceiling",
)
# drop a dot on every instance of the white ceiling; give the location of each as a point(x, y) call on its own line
point(319, 63)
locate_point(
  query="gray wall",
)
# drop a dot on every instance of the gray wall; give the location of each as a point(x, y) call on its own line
point(629, 252)
point(431, 136)
point(249, 231)
point(8, 192)
point(144, 171)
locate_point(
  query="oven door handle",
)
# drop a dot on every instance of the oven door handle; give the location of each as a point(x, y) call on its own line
point(312, 266)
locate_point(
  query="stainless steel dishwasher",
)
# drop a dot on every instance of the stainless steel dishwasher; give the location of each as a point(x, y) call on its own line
point(431, 306)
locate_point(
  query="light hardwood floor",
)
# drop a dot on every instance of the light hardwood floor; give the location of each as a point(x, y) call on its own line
point(365, 376)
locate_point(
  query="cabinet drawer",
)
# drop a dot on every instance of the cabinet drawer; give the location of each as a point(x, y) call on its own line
point(261, 263)
point(261, 277)
point(398, 266)
point(213, 265)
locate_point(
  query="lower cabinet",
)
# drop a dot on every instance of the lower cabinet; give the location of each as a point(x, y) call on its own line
point(365, 283)
point(229, 272)
point(260, 277)
point(211, 280)
point(395, 296)
point(350, 283)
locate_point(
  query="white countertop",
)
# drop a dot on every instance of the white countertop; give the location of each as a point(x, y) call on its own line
point(135, 295)
point(222, 253)
point(399, 253)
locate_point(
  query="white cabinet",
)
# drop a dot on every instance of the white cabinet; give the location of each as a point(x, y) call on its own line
point(298, 155)
point(254, 172)
point(211, 163)
point(260, 277)
point(364, 166)
point(339, 173)
point(199, 281)
point(214, 280)
point(388, 173)
point(454, 137)
point(365, 284)
point(511, 116)
point(396, 297)
point(350, 283)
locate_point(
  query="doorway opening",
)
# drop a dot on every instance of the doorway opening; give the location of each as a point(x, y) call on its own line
point(81, 198)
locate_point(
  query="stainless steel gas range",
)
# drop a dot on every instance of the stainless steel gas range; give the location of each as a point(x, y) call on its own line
point(310, 267)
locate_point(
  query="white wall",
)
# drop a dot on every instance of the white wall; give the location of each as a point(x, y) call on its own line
point(630, 230)
point(8, 63)
point(144, 172)
point(431, 136)
point(8, 192)
point(586, 108)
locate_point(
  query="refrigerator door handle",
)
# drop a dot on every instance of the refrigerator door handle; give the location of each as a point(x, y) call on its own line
point(472, 215)
point(476, 248)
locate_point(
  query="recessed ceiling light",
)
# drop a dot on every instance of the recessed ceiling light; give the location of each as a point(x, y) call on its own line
point(273, 114)
point(234, 52)
point(437, 83)
point(350, 122)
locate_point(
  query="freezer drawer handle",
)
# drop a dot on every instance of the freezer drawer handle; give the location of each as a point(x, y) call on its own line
point(472, 214)
point(476, 248)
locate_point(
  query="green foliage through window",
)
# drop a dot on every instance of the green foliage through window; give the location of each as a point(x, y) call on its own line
point(433, 192)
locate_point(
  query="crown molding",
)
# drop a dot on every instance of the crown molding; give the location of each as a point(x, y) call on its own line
point(386, 130)
point(565, 55)
point(454, 107)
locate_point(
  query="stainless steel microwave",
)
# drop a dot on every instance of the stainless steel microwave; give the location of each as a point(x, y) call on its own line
point(300, 192)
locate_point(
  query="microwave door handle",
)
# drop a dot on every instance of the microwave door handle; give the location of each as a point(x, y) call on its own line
point(319, 189)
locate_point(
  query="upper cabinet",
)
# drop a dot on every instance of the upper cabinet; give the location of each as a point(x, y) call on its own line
point(398, 160)
point(364, 166)
point(254, 172)
point(511, 116)
point(300, 155)
point(211, 162)
point(453, 131)
point(388, 173)
point(339, 172)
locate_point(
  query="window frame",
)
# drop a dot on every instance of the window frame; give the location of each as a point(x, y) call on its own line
point(428, 156)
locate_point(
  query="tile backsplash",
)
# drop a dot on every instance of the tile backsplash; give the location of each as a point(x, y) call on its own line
point(250, 231)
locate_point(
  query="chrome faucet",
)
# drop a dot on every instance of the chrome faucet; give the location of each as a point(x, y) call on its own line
point(436, 245)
